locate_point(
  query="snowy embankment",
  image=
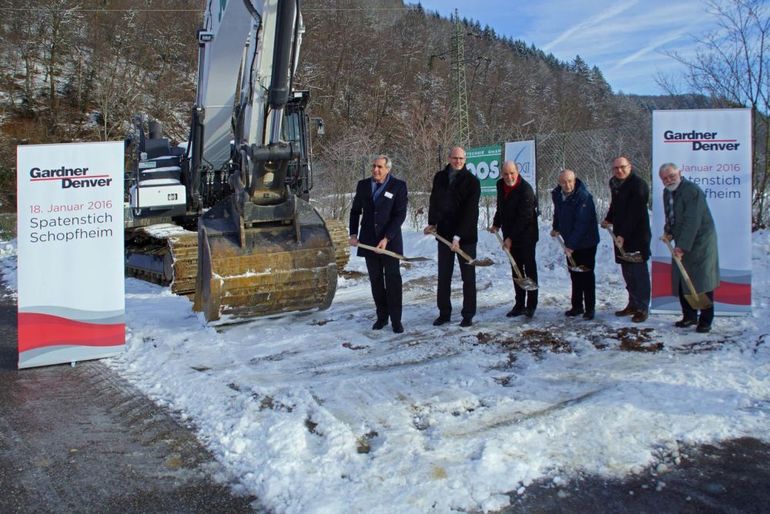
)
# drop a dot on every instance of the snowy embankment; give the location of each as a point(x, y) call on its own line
point(316, 412)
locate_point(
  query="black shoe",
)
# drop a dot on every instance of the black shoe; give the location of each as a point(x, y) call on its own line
point(379, 324)
point(685, 322)
point(440, 321)
point(640, 316)
point(517, 310)
point(574, 312)
point(588, 314)
point(627, 311)
point(398, 328)
point(703, 329)
point(466, 322)
point(529, 312)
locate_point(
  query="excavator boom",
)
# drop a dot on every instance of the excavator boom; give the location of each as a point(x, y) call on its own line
point(262, 249)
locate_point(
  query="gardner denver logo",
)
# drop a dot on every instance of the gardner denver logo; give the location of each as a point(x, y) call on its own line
point(701, 140)
point(70, 177)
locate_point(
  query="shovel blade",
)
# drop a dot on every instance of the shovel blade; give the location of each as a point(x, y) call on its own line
point(580, 268)
point(634, 257)
point(486, 261)
point(415, 259)
point(526, 283)
point(698, 301)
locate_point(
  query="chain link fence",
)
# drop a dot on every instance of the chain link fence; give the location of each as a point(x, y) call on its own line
point(589, 153)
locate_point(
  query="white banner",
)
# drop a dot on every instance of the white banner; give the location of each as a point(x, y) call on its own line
point(523, 154)
point(712, 147)
point(70, 252)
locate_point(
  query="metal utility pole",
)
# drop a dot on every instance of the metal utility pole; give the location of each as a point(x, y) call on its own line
point(463, 132)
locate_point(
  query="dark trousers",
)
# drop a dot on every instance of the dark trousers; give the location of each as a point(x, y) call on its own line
point(706, 315)
point(584, 282)
point(446, 266)
point(385, 279)
point(525, 260)
point(637, 278)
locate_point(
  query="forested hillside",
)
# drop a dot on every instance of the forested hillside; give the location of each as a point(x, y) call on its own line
point(379, 73)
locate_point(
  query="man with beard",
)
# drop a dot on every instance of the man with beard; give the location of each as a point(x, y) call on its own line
point(690, 225)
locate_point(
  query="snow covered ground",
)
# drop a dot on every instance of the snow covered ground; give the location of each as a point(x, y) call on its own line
point(316, 412)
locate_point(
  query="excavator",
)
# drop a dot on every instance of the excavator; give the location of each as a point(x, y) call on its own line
point(227, 215)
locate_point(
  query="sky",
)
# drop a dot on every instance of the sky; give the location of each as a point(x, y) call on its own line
point(317, 413)
point(625, 39)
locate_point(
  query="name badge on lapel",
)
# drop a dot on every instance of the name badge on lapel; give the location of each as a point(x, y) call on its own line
point(388, 194)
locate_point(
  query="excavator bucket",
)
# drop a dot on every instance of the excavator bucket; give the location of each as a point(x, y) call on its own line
point(258, 269)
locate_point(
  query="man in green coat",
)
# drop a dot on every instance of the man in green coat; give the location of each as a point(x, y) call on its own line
point(690, 225)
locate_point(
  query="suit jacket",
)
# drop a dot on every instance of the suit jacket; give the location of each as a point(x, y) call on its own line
point(379, 218)
point(629, 216)
point(454, 208)
point(694, 232)
point(517, 214)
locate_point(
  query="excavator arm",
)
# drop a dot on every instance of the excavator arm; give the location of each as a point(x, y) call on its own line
point(262, 249)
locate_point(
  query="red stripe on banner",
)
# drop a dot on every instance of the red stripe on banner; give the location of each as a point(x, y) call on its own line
point(661, 279)
point(733, 294)
point(730, 293)
point(41, 330)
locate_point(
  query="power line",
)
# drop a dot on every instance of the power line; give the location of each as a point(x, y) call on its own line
point(316, 9)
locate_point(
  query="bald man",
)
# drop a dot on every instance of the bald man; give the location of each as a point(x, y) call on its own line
point(516, 214)
point(574, 218)
point(453, 213)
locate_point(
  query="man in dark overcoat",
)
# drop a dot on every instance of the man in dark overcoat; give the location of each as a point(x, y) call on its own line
point(380, 204)
point(453, 213)
point(630, 221)
point(516, 214)
point(690, 225)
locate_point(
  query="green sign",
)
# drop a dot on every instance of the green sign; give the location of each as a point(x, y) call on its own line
point(484, 162)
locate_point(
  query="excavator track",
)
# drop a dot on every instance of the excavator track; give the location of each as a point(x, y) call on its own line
point(167, 254)
point(164, 254)
point(340, 238)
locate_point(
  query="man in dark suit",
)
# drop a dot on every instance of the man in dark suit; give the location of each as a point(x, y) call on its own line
point(630, 220)
point(380, 206)
point(517, 215)
point(453, 213)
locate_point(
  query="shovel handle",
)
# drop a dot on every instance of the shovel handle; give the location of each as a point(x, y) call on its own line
point(464, 255)
point(679, 264)
point(563, 247)
point(510, 257)
point(615, 241)
point(382, 251)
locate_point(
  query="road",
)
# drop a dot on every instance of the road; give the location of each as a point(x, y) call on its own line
point(81, 439)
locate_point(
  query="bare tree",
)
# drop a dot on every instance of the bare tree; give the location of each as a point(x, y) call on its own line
point(731, 64)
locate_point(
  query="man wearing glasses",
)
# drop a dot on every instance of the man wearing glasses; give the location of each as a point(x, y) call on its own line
point(453, 213)
point(630, 222)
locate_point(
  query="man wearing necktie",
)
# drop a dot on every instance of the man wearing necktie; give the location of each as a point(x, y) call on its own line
point(690, 225)
point(376, 216)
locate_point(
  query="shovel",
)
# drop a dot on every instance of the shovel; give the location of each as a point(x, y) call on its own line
point(392, 254)
point(624, 256)
point(698, 301)
point(573, 266)
point(522, 281)
point(486, 261)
